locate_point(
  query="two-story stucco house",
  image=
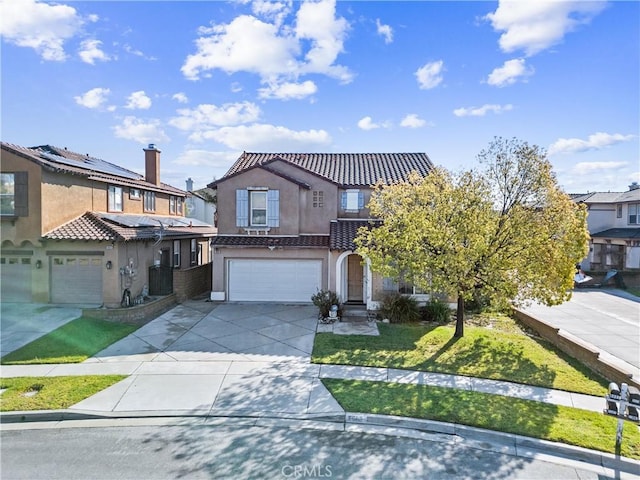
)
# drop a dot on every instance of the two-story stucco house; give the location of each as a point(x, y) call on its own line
point(286, 225)
point(613, 220)
point(77, 229)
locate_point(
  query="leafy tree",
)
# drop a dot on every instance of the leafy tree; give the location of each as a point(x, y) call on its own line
point(504, 231)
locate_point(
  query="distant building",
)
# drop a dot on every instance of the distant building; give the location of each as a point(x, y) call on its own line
point(614, 225)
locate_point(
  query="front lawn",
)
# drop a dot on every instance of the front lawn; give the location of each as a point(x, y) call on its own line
point(51, 393)
point(499, 350)
point(74, 342)
point(556, 423)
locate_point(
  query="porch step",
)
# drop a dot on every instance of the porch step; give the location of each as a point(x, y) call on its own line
point(354, 313)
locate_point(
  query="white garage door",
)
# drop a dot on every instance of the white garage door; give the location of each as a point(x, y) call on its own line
point(76, 279)
point(273, 280)
point(16, 279)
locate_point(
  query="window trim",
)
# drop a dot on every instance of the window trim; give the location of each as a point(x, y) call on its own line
point(9, 195)
point(194, 251)
point(635, 215)
point(176, 254)
point(619, 210)
point(252, 209)
point(114, 192)
point(149, 201)
point(134, 194)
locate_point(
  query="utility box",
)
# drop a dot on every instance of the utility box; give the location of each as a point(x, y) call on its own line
point(160, 280)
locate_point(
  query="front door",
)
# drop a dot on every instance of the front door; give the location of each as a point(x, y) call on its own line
point(354, 279)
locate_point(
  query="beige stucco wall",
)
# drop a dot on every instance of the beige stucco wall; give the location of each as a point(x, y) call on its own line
point(23, 229)
point(221, 255)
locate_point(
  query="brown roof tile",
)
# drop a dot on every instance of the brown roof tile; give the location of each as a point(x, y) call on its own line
point(349, 169)
point(94, 226)
point(343, 232)
point(305, 241)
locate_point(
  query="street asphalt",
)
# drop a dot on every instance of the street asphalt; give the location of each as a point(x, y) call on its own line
point(203, 359)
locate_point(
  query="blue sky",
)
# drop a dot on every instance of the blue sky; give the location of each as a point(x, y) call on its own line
point(206, 80)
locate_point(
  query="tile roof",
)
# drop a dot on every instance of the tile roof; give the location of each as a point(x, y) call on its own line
point(306, 241)
point(66, 161)
point(607, 197)
point(99, 226)
point(349, 169)
point(343, 232)
point(625, 233)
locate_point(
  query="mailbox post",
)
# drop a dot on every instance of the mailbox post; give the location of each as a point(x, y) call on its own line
point(622, 402)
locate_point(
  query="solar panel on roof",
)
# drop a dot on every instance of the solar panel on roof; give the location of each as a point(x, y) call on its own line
point(93, 164)
point(128, 220)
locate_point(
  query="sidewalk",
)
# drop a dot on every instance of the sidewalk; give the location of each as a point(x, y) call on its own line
point(251, 362)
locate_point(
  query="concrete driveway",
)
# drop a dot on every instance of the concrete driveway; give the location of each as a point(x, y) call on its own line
point(203, 331)
point(22, 323)
point(607, 319)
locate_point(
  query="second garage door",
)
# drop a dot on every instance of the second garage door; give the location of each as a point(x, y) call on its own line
point(76, 279)
point(273, 280)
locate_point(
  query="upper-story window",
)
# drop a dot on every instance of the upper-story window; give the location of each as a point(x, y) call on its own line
point(352, 201)
point(115, 198)
point(619, 210)
point(176, 253)
point(14, 195)
point(149, 201)
point(172, 204)
point(318, 199)
point(134, 194)
point(179, 203)
point(634, 213)
point(194, 251)
point(257, 207)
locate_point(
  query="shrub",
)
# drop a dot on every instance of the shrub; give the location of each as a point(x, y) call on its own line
point(400, 308)
point(323, 299)
point(436, 311)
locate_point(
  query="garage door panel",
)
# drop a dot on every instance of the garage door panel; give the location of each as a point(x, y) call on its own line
point(76, 280)
point(16, 279)
point(273, 280)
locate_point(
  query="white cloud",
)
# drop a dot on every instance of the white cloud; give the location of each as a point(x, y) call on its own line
point(245, 44)
point(90, 52)
point(138, 53)
point(535, 26)
point(180, 97)
point(289, 90)
point(385, 30)
point(268, 138)
point(144, 132)
point(208, 116)
point(317, 22)
point(367, 123)
point(138, 101)
point(412, 121)
point(584, 168)
point(430, 75)
point(277, 53)
point(43, 27)
point(94, 98)
point(275, 11)
point(481, 111)
point(509, 73)
point(596, 141)
point(206, 158)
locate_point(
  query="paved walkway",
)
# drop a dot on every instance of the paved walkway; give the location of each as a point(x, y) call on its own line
point(254, 359)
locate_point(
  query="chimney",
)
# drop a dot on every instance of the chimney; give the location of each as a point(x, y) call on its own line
point(152, 164)
point(189, 185)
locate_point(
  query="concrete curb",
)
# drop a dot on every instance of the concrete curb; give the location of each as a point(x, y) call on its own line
point(507, 443)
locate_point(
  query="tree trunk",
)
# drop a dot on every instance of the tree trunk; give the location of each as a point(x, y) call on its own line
point(459, 333)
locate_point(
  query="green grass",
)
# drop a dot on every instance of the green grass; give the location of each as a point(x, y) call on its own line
point(51, 393)
point(494, 412)
point(497, 350)
point(74, 342)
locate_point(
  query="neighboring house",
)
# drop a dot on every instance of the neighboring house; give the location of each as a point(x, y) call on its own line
point(77, 229)
point(286, 225)
point(613, 221)
point(201, 204)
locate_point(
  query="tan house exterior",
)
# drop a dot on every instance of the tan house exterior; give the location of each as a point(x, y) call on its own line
point(79, 230)
point(286, 225)
point(613, 220)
